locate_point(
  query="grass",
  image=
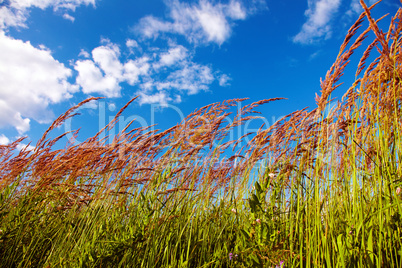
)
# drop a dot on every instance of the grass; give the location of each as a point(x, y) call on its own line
point(327, 195)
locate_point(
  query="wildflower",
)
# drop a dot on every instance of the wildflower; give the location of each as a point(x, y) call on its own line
point(398, 190)
point(231, 256)
point(258, 220)
point(234, 210)
point(352, 228)
point(271, 175)
point(281, 264)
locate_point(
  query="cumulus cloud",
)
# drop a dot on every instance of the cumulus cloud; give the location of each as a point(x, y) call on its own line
point(30, 80)
point(14, 13)
point(317, 26)
point(199, 23)
point(104, 72)
point(4, 140)
point(160, 75)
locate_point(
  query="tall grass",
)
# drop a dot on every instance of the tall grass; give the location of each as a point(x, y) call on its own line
point(327, 195)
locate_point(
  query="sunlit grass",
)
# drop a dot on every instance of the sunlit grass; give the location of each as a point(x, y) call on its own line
point(326, 190)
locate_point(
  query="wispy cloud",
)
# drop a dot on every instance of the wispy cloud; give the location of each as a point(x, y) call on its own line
point(173, 71)
point(356, 8)
point(68, 17)
point(192, 78)
point(199, 23)
point(173, 56)
point(161, 98)
point(318, 25)
point(160, 75)
point(224, 80)
point(14, 13)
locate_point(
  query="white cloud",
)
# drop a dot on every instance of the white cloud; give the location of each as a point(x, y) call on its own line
point(317, 26)
point(213, 23)
point(159, 76)
point(14, 13)
point(163, 71)
point(4, 140)
point(68, 17)
point(192, 79)
point(356, 8)
point(104, 72)
point(12, 17)
point(13, 117)
point(205, 22)
point(84, 53)
point(224, 80)
point(173, 56)
point(56, 4)
point(30, 80)
point(131, 43)
point(133, 46)
point(133, 69)
point(161, 98)
point(92, 80)
point(173, 72)
point(21, 146)
point(236, 11)
point(107, 58)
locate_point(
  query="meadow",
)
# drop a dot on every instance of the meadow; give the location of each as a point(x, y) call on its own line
point(318, 188)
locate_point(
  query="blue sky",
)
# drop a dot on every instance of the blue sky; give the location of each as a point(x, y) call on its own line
point(177, 56)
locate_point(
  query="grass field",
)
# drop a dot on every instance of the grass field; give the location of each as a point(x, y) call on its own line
point(319, 188)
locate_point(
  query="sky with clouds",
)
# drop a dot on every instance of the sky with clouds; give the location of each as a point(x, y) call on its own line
point(175, 55)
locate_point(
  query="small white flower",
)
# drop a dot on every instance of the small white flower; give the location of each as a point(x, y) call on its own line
point(398, 191)
point(271, 175)
point(258, 220)
point(234, 210)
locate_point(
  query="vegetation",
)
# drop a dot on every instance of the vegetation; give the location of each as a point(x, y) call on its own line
point(318, 188)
